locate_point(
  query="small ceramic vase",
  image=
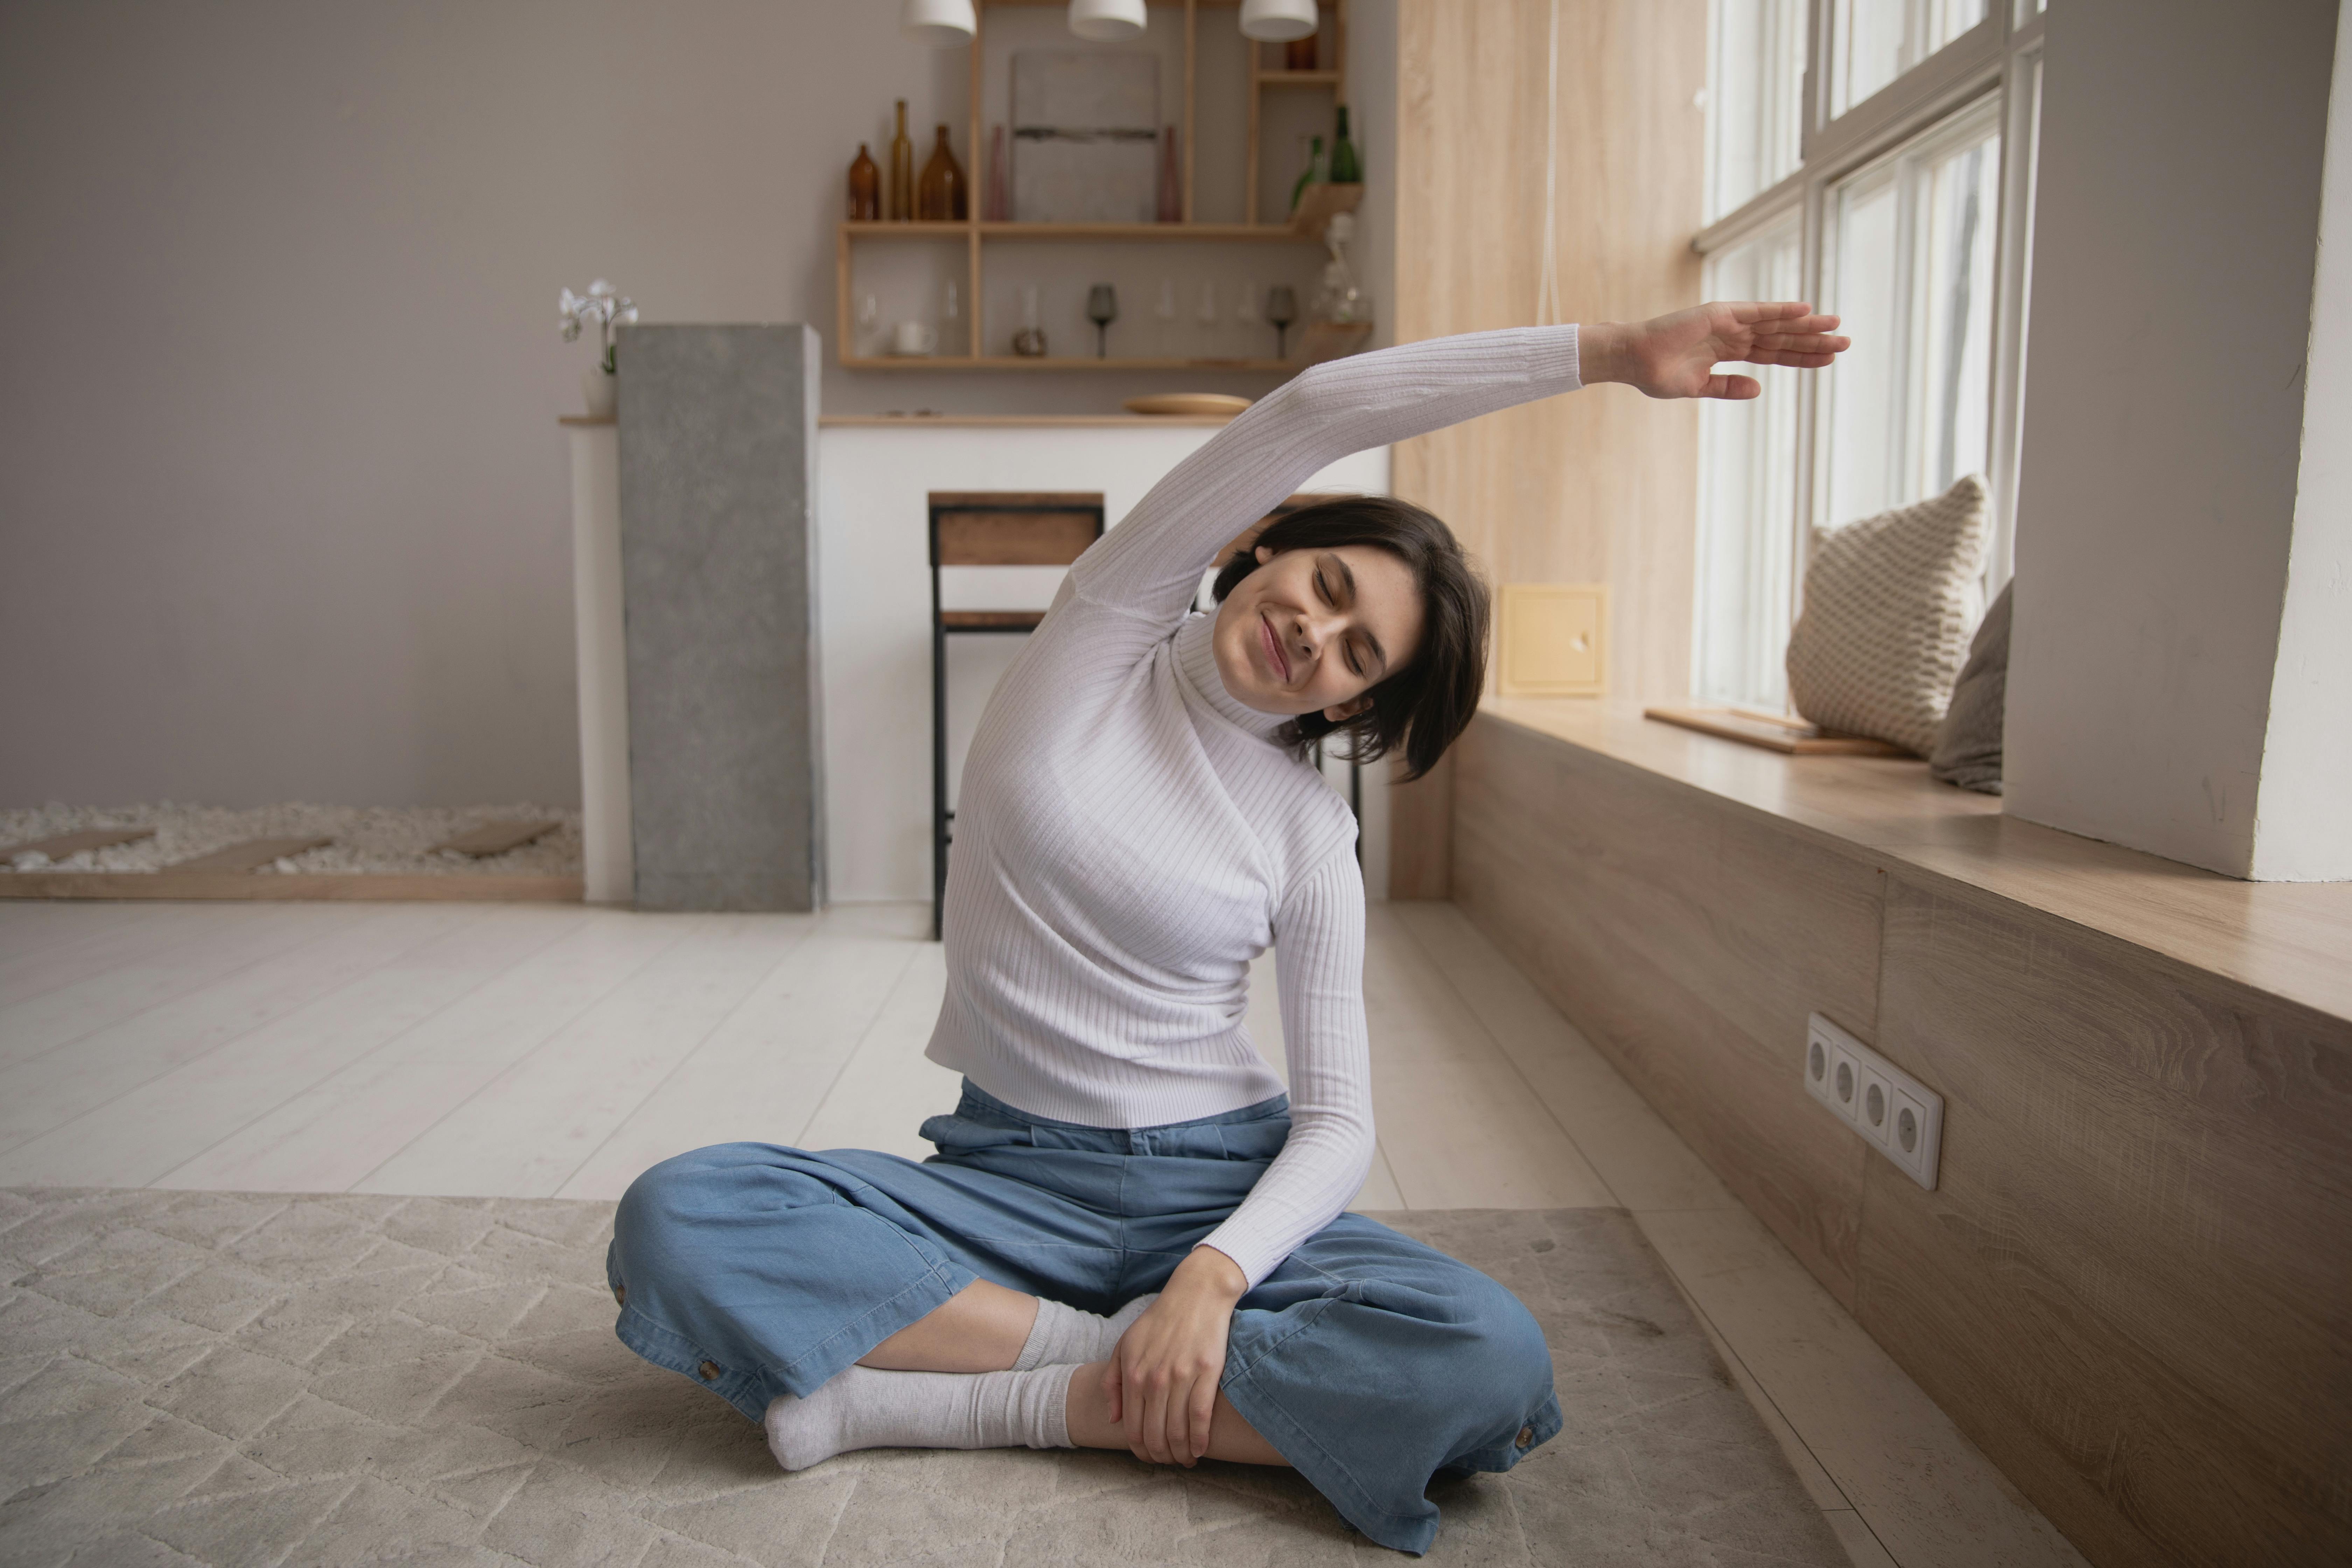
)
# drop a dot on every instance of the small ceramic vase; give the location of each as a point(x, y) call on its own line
point(601, 388)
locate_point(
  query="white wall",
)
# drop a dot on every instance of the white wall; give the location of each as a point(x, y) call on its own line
point(2302, 827)
point(283, 506)
point(873, 563)
point(2171, 413)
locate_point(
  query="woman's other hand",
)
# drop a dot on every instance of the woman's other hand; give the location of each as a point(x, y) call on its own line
point(1161, 1382)
point(1675, 355)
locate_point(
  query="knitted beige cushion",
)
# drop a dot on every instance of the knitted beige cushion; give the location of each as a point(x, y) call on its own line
point(1889, 604)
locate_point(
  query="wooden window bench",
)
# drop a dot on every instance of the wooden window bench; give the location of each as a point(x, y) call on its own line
point(2130, 1284)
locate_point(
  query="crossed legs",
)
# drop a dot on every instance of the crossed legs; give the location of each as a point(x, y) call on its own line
point(983, 1328)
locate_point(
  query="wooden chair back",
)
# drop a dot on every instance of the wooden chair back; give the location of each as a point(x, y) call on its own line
point(1013, 528)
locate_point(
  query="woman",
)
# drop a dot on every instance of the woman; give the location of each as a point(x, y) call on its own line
point(1137, 823)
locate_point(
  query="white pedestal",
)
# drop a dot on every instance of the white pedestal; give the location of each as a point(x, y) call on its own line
point(607, 863)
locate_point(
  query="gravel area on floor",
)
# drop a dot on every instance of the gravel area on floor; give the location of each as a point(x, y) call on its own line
point(389, 839)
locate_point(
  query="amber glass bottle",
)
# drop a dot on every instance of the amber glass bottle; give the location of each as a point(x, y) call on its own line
point(902, 171)
point(940, 194)
point(865, 188)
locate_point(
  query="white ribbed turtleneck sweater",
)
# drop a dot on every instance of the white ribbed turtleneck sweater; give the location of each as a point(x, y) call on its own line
point(1130, 836)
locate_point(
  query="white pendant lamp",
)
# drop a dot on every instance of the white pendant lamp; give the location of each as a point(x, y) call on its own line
point(1278, 21)
point(942, 23)
point(1108, 21)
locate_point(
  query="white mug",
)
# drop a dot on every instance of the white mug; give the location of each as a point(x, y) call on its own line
point(915, 338)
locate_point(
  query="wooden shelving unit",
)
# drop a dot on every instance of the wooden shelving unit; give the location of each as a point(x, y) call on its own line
point(1306, 227)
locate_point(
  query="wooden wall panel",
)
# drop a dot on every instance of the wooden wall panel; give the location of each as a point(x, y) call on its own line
point(2133, 1286)
point(1600, 487)
point(1689, 945)
point(1421, 833)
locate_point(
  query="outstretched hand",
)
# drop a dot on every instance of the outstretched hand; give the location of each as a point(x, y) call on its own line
point(1675, 355)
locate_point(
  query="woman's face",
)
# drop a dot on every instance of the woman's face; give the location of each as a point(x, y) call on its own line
point(1314, 629)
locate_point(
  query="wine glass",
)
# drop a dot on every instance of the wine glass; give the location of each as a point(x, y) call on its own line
point(1281, 310)
point(1102, 310)
point(870, 317)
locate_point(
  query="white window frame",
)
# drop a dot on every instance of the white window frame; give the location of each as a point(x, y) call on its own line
point(2000, 56)
point(1898, 166)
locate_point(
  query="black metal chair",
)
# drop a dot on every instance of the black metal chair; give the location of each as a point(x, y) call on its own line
point(990, 528)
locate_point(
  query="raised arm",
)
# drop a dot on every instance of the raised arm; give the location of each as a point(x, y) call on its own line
point(1151, 563)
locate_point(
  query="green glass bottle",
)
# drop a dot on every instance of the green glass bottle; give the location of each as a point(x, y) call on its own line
point(1313, 174)
point(1346, 169)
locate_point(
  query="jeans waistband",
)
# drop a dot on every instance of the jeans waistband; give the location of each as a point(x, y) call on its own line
point(979, 1105)
point(982, 1122)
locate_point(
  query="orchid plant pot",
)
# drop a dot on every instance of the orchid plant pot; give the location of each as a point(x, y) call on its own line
point(601, 388)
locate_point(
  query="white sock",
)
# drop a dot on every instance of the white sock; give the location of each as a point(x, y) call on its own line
point(864, 1408)
point(1064, 1336)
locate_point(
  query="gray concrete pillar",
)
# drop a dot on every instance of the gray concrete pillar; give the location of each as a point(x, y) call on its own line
point(718, 433)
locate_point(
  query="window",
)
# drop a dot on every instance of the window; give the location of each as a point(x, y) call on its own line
point(1873, 42)
point(1908, 407)
point(1754, 98)
point(1748, 545)
point(1911, 221)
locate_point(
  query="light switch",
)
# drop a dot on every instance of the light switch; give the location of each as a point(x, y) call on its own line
point(1554, 640)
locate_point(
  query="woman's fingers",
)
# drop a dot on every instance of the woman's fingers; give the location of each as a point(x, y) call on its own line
point(1154, 1424)
point(1738, 388)
point(1112, 1387)
point(1772, 315)
point(1204, 1409)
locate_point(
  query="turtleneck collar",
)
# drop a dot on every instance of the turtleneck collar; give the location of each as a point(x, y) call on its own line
point(1196, 665)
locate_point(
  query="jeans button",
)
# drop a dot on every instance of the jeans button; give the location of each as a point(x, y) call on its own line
point(620, 1295)
point(710, 1371)
point(1527, 1434)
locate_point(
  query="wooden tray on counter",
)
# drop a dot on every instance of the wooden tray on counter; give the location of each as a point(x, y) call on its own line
point(1774, 732)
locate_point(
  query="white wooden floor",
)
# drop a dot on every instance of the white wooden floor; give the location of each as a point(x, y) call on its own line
point(525, 1050)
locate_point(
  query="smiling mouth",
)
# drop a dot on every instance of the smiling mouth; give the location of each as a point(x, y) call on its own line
point(1273, 654)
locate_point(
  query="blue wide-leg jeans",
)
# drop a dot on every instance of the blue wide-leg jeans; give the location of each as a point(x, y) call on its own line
point(1370, 1361)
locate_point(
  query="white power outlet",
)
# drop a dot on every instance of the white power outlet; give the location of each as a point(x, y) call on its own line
point(1902, 1117)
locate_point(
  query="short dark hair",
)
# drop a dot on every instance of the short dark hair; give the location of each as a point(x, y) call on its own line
point(1423, 708)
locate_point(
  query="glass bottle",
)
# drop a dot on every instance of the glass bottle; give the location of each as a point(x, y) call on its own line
point(1298, 54)
point(998, 206)
point(1346, 169)
point(1313, 174)
point(865, 188)
point(902, 171)
point(940, 197)
point(1171, 178)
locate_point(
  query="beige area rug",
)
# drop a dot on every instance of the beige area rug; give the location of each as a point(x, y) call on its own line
point(221, 1379)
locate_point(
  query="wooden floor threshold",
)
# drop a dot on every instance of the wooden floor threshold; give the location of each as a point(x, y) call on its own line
point(302, 886)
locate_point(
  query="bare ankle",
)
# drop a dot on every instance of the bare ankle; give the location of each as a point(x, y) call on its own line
point(981, 1328)
point(1231, 1439)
